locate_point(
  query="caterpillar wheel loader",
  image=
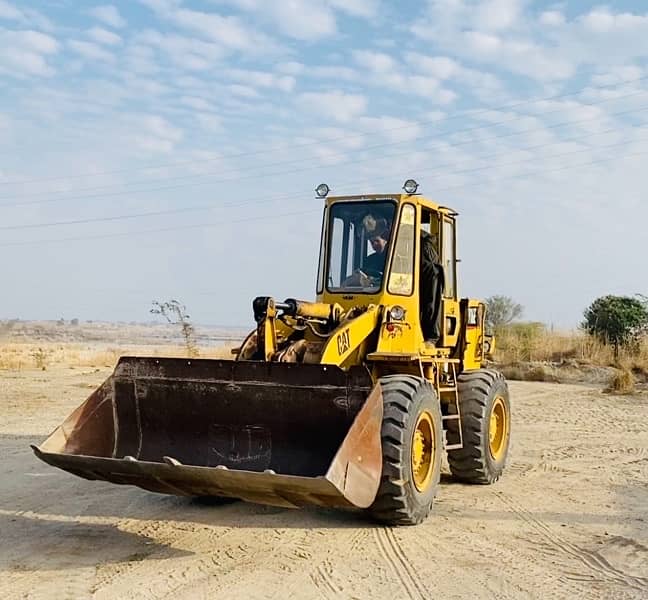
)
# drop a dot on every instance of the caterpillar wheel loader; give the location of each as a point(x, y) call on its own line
point(341, 402)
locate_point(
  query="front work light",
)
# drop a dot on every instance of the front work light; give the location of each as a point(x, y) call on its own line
point(322, 190)
point(410, 186)
point(397, 313)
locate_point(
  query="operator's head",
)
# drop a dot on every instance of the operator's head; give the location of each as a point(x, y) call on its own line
point(379, 241)
point(377, 233)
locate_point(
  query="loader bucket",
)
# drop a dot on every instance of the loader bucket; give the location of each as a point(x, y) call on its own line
point(274, 433)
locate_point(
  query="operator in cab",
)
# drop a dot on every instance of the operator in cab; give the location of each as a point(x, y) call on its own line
point(378, 231)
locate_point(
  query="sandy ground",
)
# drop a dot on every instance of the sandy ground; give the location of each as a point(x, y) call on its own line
point(569, 519)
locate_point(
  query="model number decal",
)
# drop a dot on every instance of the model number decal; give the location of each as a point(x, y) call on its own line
point(343, 342)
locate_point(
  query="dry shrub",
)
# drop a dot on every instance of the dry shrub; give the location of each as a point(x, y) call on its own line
point(512, 372)
point(528, 342)
point(622, 382)
point(540, 373)
point(17, 356)
point(526, 372)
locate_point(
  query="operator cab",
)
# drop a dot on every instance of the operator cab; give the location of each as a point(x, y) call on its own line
point(360, 235)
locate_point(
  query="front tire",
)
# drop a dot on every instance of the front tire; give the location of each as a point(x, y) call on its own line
point(485, 427)
point(412, 442)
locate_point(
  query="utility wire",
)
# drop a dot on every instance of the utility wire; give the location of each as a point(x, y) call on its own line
point(467, 113)
point(256, 201)
point(298, 161)
point(299, 213)
point(166, 229)
point(319, 166)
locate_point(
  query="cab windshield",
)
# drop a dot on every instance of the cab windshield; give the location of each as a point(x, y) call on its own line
point(360, 235)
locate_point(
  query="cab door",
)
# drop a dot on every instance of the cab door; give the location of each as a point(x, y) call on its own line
point(451, 318)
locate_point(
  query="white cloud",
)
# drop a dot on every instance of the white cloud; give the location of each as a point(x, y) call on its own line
point(382, 70)
point(160, 127)
point(493, 32)
point(25, 52)
point(357, 8)
point(498, 15)
point(285, 83)
point(108, 14)
point(299, 19)
point(376, 62)
point(196, 103)
point(440, 67)
point(336, 105)
point(618, 74)
point(103, 36)
point(186, 52)
point(290, 67)
point(333, 72)
point(229, 32)
point(9, 12)
point(154, 133)
point(244, 91)
point(393, 129)
point(210, 122)
point(91, 51)
point(483, 43)
point(552, 18)
point(601, 20)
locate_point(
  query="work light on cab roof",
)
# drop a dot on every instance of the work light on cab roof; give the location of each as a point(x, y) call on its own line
point(322, 190)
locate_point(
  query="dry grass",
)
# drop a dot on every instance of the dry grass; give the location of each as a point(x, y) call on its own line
point(533, 343)
point(18, 355)
point(622, 382)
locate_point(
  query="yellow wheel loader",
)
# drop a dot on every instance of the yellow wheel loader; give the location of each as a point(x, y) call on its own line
point(347, 401)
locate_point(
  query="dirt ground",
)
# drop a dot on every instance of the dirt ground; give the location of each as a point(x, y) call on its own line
point(569, 519)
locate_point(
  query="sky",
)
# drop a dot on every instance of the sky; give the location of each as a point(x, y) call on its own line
point(159, 149)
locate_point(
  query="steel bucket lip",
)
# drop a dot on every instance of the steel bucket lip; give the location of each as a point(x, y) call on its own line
point(292, 491)
point(351, 479)
point(295, 375)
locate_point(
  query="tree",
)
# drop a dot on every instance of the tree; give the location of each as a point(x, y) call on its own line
point(616, 320)
point(501, 310)
point(176, 313)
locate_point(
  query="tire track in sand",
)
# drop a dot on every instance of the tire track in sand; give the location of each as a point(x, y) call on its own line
point(596, 563)
point(324, 576)
point(391, 550)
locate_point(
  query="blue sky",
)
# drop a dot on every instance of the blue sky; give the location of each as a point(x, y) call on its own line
point(160, 149)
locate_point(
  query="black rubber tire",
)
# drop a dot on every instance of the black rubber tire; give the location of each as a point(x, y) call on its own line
point(474, 463)
point(398, 501)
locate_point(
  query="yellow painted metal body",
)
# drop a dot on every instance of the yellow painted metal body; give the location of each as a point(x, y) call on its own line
point(405, 337)
point(379, 326)
point(309, 433)
point(360, 327)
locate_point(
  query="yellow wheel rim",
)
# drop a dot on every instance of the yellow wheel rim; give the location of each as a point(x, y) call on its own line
point(498, 428)
point(423, 451)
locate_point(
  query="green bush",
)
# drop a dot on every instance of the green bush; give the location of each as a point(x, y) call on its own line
point(616, 320)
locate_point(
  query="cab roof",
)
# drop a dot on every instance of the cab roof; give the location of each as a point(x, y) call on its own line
point(399, 198)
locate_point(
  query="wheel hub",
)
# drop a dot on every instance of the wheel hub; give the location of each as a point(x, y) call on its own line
point(498, 428)
point(423, 451)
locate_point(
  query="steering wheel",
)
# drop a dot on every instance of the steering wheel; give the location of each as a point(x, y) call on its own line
point(363, 278)
point(373, 273)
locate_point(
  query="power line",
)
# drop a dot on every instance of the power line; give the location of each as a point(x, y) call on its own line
point(462, 114)
point(318, 166)
point(556, 170)
point(274, 216)
point(300, 160)
point(166, 229)
point(211, 206)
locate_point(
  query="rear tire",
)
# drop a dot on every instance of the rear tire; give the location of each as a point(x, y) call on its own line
point(412, 443)
point(485, 425)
